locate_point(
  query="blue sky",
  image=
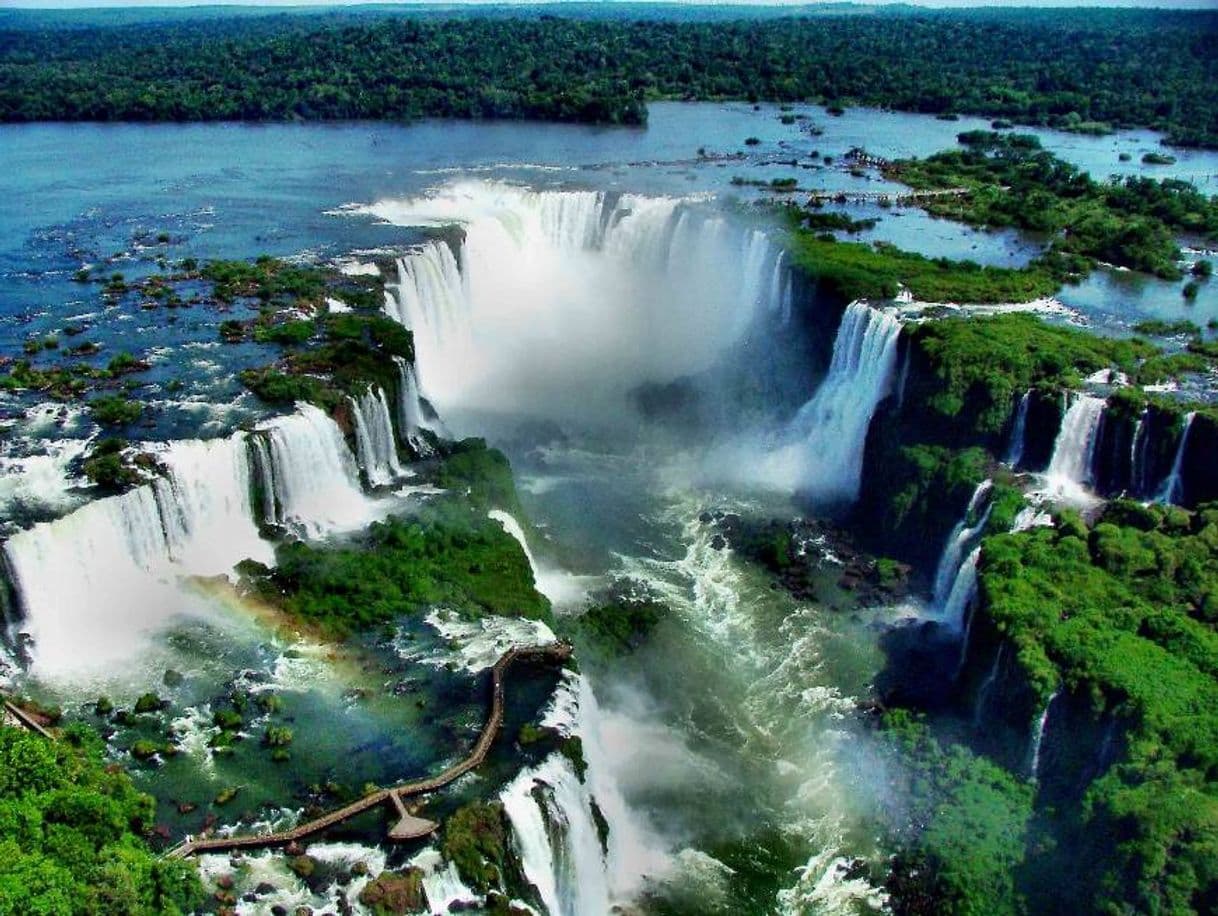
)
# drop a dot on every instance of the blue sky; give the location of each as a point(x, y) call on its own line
point(72, 4)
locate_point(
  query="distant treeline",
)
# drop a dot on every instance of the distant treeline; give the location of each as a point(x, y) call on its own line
point(1090, 72)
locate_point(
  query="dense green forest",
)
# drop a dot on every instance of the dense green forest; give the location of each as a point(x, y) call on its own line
point(1115, 622)
point(71, 834)
point(1094, 72)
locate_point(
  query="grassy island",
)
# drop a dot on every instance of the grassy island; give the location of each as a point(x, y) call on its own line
point(855, 270)
point(1130, 222)
point(449, 553)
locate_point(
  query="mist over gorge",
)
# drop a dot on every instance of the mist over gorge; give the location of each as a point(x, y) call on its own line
point(563, 304)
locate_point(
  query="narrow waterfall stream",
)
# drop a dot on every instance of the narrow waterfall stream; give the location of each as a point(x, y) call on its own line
point(1019, 432)
point(1038, 738)
point(1170, 492)
point(1070, 468)
point(376, 442)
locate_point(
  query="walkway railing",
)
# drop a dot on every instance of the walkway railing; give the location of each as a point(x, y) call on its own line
point(408, 826)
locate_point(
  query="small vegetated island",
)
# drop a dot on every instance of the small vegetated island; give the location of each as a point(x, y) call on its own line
point(1008, 180)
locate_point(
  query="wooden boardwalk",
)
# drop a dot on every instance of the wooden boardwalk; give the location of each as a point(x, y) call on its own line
point(894, 196)
point(408, 825)
point(16, 716)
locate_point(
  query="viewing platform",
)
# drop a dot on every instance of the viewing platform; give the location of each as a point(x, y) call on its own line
point(409, 825)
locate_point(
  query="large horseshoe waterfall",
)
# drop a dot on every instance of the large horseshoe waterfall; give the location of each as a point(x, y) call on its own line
point(562, 303)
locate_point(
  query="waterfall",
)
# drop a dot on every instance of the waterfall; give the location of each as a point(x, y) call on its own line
point(964, 587)
point(1137, 454)
point(562, 303)
point(554, 821)
point(831, 428)
point(983, 691)
point(572, 219)
point(314, 476)
point(1019, 431)
point(1070, 467)
point(374, 438)
point(551, 812)
point(442, 883)
point(260, 453)
point(431, 299)
point(86, 581)
point(1105, 750)
point(1171, 491)
point(414, 413)
point(512, 527)
point(1031, 517)
point(92, 583)
point(781, 288)
point(206, 506)
point(959, 538)
point(556, 838)
point(903, 380)
point(560, 587)
point(1038, 737)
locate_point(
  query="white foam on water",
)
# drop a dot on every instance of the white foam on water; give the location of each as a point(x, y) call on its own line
point(442, 883)
point(41, 483)
point(476, 645)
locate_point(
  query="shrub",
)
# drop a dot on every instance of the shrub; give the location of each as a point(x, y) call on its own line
point(115, 410)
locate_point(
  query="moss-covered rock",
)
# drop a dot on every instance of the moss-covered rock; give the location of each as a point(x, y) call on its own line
point(475, 841)
point(395, 893)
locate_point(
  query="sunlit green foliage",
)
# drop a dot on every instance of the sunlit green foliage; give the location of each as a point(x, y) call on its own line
point(475, 841)
point(854, 270)
point(481, 475)
point(330, 356)
point(70, 835)
point(449, 555)
point(115, 410)
point(967, 822)
point(1132, 221)
point(106, 465)
point(982, 365)
point(1124, 613)
point(928, 478)
point(63, 383)
point(267, 279)
point(618, 626)
point(276, 387)
point(287, 332)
